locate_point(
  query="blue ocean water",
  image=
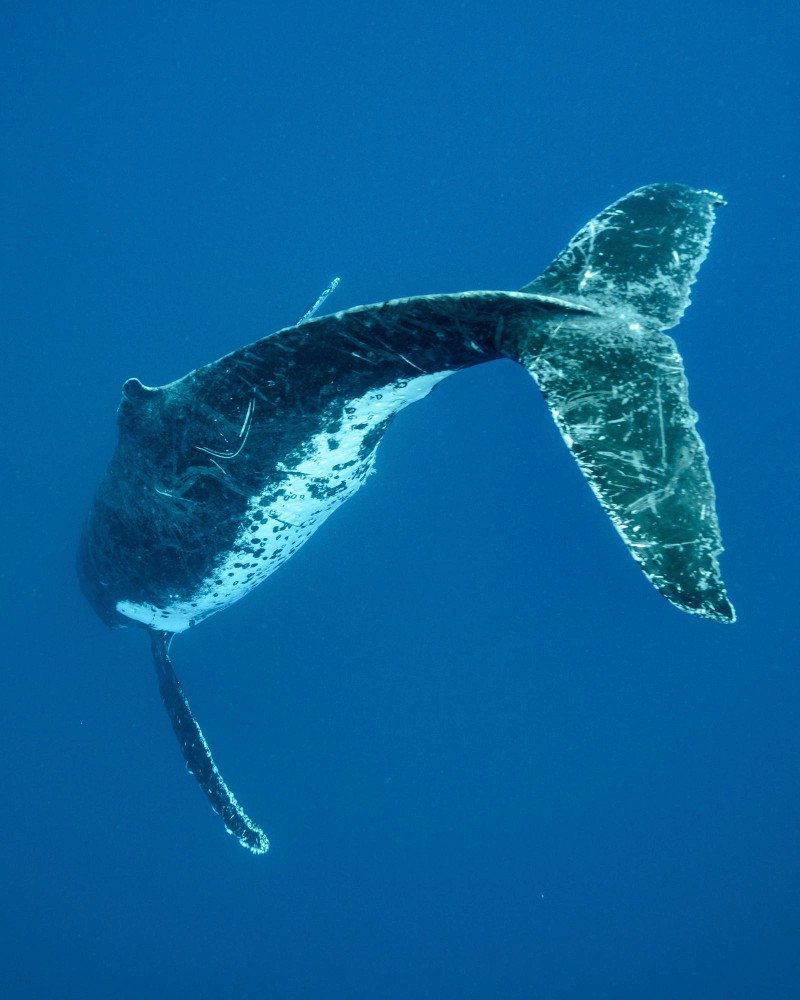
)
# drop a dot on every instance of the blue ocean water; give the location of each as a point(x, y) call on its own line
point(491, 760)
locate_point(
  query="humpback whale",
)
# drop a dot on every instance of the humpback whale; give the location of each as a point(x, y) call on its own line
point(219, 477)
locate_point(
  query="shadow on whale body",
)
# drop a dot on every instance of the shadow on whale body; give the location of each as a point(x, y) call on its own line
point(219, 477)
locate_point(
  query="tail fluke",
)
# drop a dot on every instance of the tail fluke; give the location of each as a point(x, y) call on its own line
point(615, 384)
point(196, 752)
point(642, 254)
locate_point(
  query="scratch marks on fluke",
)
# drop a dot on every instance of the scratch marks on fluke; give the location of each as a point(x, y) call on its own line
point(219, 477)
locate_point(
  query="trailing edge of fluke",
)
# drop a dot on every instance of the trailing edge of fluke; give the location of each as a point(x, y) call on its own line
point(219, 477)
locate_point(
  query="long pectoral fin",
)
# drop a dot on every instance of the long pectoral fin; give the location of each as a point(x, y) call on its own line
point(196, 752)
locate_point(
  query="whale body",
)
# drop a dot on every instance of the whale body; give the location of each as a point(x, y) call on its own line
point(218, 478)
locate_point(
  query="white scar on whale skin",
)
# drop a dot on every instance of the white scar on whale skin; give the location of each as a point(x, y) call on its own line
point(332, 468)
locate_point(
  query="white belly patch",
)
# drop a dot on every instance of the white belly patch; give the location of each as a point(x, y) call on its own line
point(332, 467)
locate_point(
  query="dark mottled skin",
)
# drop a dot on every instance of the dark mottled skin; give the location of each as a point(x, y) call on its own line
point(203, 470)
point(165, 510)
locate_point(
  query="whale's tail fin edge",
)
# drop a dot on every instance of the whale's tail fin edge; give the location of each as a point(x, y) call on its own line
point(616, 387)
point(643, 252)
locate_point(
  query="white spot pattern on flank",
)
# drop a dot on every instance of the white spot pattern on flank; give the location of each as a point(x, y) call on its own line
point(309, 486)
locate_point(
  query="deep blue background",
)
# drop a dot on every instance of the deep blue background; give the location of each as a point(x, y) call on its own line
point(492, 761)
